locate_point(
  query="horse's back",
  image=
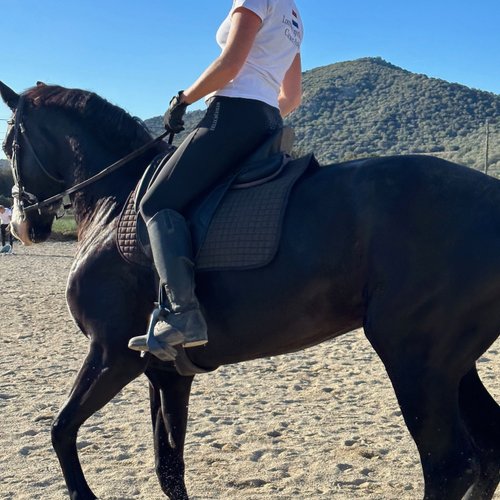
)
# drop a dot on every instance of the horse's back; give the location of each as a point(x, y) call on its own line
point(402, 198)
point(427, 209)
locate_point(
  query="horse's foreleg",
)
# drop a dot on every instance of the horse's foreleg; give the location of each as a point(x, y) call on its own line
point(101, 377)
point(481, 414)
point(169, 393)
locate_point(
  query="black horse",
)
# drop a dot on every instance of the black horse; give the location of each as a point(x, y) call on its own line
point(407, 247)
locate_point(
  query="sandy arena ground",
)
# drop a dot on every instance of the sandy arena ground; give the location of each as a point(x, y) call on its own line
point(319, 424)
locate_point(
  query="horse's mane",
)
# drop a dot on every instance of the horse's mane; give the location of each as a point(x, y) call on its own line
point(115, 126)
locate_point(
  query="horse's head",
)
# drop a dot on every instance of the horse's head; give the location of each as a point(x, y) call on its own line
point(60, 137)
point(36, 177)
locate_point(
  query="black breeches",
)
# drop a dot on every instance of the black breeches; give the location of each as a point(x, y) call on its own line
point(230, 131)
point(3, 230)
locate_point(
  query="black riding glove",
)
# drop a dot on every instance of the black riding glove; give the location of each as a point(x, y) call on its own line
point(173, 117)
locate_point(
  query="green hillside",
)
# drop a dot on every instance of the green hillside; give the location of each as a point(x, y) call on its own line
point(370, 107)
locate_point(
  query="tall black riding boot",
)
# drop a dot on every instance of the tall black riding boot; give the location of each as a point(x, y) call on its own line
point(178, 319)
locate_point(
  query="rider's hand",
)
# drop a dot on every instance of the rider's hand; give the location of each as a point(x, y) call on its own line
point(173, 119)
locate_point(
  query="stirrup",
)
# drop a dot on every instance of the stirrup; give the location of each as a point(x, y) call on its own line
point(151, 340)
point(150, 343)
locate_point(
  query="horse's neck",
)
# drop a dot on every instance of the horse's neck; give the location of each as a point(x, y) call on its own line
point(94, 221)
point(98, 205)
point(96, 234)
point(101, 202)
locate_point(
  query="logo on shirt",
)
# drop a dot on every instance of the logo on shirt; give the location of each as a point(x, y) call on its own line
point(292, 30)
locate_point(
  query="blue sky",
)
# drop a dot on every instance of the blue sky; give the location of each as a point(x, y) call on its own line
point(137, 54)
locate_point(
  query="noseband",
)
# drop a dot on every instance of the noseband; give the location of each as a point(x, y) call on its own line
point(27, 201)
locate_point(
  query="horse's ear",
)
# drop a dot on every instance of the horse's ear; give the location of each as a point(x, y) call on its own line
point(9, 96)
point(40, 84)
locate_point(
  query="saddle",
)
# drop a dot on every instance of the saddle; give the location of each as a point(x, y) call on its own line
point(238, 225)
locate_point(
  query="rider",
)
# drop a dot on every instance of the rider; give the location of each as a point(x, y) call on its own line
point(255, 81)
point(5, 218)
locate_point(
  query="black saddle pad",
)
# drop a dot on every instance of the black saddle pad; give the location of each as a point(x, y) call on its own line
point(246, 228)
point(243, 233)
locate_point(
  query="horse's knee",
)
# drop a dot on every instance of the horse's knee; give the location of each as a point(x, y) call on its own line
point(61, 433)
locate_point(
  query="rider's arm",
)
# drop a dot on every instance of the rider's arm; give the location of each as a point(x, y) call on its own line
point(291, 88)
point(244, 27)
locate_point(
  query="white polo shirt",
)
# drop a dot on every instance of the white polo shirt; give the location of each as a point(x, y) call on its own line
point(276, 45)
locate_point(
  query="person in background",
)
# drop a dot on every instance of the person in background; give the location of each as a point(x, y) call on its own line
point(256, 80)
point(5, 218)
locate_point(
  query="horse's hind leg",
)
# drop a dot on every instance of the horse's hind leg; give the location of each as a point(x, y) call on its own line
point(169, 394)
point(481, 414)
point(426, 387)
point(101, 377)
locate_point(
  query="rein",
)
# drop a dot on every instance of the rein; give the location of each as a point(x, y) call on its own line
point(103, 173)
point(21, 194)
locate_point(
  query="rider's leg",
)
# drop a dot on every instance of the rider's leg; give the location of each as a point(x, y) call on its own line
point(170, 241)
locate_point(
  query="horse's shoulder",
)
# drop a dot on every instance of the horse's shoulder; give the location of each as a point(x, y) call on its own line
point(95, 246)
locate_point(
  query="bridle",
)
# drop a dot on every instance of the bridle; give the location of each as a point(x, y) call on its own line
point(27, 201)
